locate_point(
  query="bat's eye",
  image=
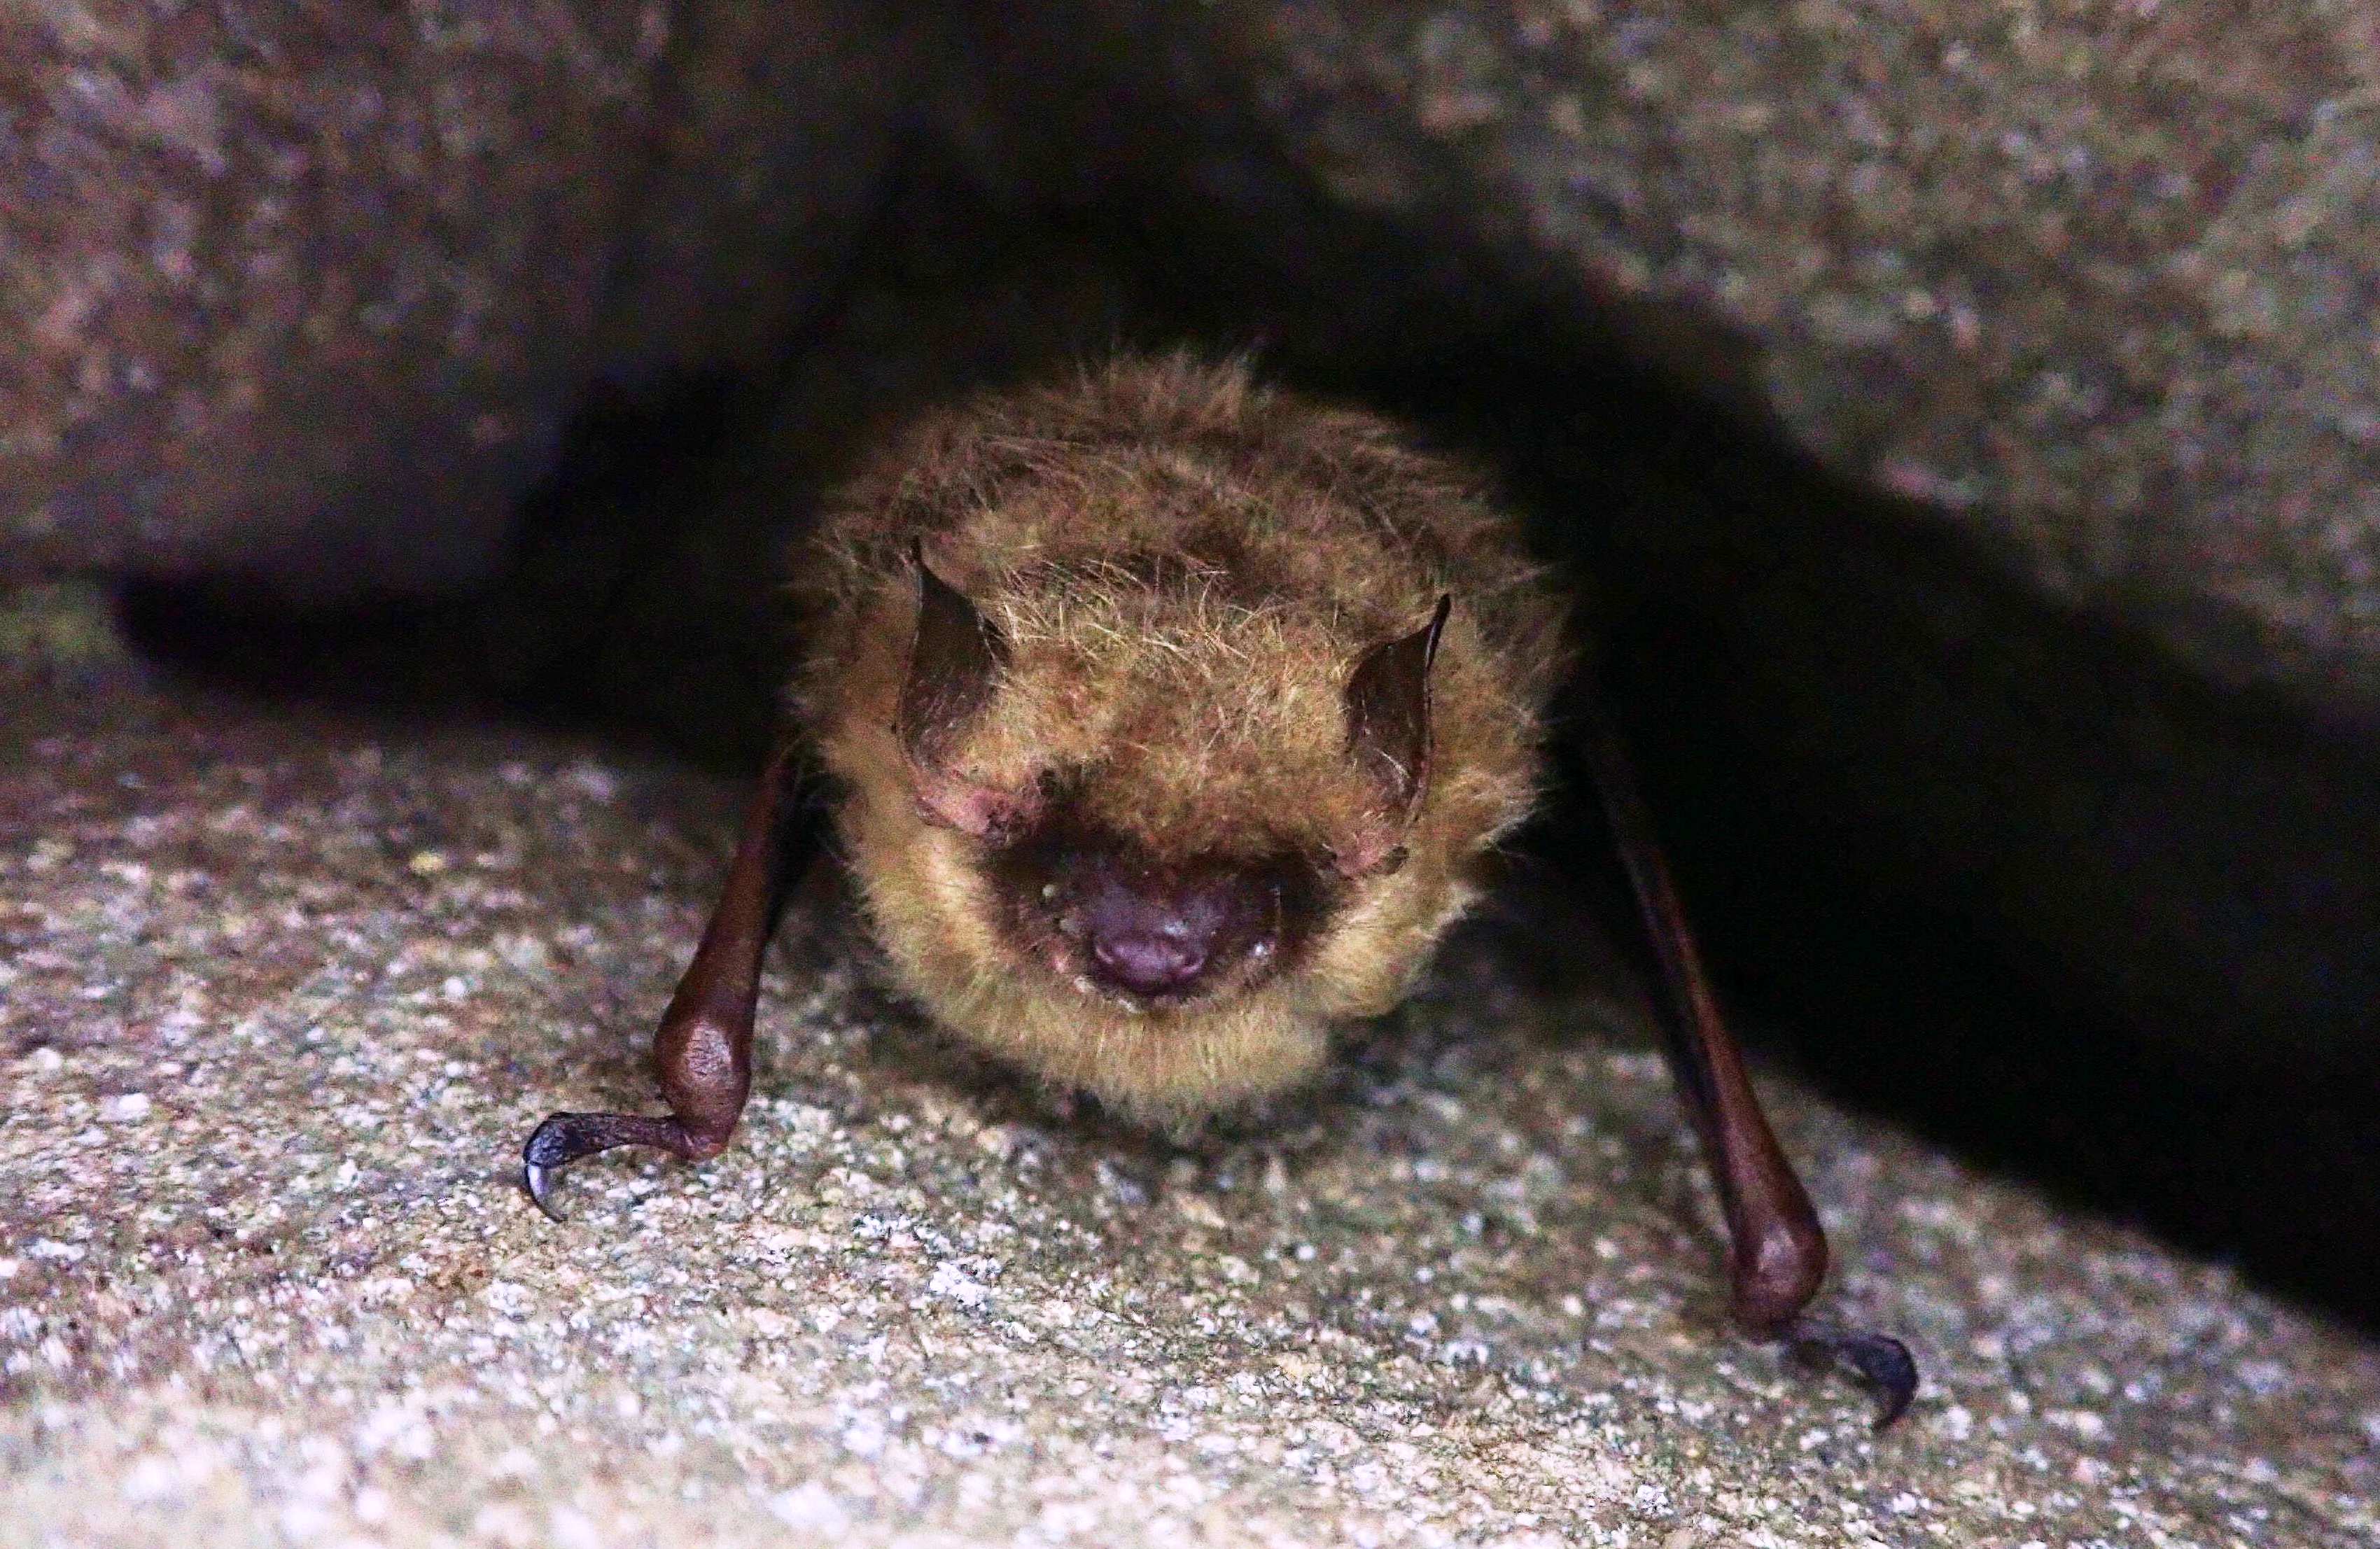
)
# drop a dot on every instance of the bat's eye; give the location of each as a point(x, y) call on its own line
point(1365, 858)
point(999, 817)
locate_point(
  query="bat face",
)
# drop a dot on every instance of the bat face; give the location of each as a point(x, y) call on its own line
point(1190, 855)
point(1143, 787)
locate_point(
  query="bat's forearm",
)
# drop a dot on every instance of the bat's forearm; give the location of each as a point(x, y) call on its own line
point(1777, 1249)
point(702, 1051)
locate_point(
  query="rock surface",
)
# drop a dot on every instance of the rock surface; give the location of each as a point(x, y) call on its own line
point(2092, 285)
point(304, 297)
point(282, 990)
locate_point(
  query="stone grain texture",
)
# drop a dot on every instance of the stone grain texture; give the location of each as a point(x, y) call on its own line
point(303, 296)
point(282, 991)
point(2094, 286)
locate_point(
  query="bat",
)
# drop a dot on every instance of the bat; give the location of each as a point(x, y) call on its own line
point(1165, 721)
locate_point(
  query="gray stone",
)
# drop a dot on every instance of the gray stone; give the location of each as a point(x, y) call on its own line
point(2093, 287)
point(282, 991)
point(305, 297)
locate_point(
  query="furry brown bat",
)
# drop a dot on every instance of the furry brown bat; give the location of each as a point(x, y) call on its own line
point(1168, 719)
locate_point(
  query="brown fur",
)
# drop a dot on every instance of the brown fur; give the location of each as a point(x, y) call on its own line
point(1187, 565)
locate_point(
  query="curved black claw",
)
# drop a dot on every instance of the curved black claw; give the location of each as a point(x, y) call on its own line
point(1881, 1361)
point(564, 1138)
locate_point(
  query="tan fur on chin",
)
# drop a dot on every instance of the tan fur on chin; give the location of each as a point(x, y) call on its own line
point(1186, 565)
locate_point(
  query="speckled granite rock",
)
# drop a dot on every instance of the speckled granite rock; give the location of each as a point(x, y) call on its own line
point(281, 993)
point(304, 295)
point(2096, 286)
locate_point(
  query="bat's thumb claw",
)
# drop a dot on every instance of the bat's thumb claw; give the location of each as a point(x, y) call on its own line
point(565, 1137)
point(1880, 1360)
point(536, 1182)
point(1887, 1365)
point(541, 1158)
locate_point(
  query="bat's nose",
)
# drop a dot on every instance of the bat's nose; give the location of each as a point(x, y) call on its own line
point(1161, 932)
point(1149, 962)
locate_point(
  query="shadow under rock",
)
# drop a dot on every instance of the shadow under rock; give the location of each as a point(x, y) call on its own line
point(531, 645)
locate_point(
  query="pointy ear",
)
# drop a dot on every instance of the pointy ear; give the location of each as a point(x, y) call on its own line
point(955, 660)
point(1387, 717)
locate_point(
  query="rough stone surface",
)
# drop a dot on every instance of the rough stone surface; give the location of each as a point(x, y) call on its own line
point(2091, 285)
point(305, 295)
point(282, 991)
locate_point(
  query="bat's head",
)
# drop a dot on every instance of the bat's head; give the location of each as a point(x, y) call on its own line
point(1149, 838)
point(1161, 746)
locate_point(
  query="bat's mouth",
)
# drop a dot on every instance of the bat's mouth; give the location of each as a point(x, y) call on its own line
point(1258, 963)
